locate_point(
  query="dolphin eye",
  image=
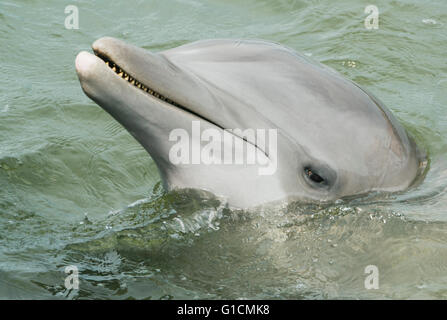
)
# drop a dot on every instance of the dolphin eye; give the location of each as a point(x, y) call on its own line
point(313, 176)
point(319, 176)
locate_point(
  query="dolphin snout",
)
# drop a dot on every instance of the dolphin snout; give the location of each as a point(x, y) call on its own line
point(85, 64)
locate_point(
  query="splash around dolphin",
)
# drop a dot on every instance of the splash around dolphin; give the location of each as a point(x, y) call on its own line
point(332, 138)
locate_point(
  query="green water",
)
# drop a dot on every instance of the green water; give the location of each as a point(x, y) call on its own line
point(77, 189)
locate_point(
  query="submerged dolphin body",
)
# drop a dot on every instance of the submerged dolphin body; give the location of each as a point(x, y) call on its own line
point(333, 138)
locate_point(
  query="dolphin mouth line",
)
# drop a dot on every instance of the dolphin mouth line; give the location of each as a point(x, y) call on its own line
point(134, 82)
point(126, 76)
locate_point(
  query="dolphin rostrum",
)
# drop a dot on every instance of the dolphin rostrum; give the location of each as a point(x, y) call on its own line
point(331, 138)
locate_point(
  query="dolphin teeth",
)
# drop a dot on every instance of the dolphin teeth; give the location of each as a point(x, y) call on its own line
point(120, 72)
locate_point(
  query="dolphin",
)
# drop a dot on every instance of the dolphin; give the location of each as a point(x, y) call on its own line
point(333, 139)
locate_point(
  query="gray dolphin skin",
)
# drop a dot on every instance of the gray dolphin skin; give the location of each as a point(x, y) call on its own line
point(334, 139)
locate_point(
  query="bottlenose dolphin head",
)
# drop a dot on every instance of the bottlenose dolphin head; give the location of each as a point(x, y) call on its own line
point(317, 136)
